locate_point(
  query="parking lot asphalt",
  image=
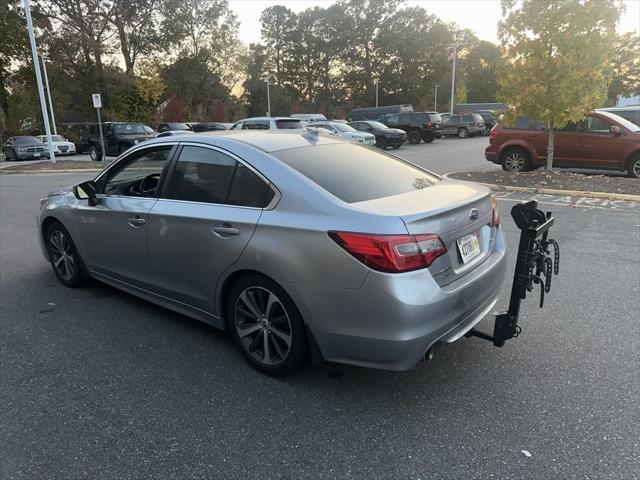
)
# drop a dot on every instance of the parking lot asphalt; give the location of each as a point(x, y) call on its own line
point(98, 384)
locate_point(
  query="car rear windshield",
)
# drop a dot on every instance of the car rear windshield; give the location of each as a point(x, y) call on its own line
point(129, 128)
point(354, 173)
point(289, 124)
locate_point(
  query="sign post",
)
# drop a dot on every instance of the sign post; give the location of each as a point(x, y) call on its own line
point(97, 104)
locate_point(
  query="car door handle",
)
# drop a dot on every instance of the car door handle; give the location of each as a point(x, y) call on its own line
point(225, 230)
point(136, 221)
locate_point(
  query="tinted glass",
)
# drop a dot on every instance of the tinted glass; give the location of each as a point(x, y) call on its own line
point(179, 126)
point(288, 124)
point(467, 118)
point(597, 125)
point(354, 173)
point(25, 140)
point(525, 123)
point(392, 119)
point(210, 176)
point(421, 117)
point(404, 118)
point(133, 169)
point(129, 128)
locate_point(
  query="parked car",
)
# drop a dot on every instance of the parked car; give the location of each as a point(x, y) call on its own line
point(207, 127)
point(463, 126)
point(377, 113)
point(61, 146)
point(150, 130)
point(310, 117)
point(118, 137)
point(346, 131)
point(165, 127)
point(631, 113)
point(24, 148)
point(300, 246)
point(419, 126)
point(268, 123)
point(602, 140)
point(385, 136)
point(489, 120)
point(170, 133)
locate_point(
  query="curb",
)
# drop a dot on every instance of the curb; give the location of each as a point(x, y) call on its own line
point(553, 191)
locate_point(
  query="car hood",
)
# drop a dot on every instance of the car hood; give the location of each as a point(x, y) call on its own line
point(388, 131)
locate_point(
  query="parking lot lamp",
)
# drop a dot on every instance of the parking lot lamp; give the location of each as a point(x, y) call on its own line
point(46, 82)
point(453, 75)
point(435, 100)
point(36, 68)
point(375, 82)
point(268, 96)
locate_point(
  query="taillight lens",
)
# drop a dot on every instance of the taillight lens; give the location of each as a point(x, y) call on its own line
point(428, 125)
point(391, 253)
point(495, 219)
point(493, 134)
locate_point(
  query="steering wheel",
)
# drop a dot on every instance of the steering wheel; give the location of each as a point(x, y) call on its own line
point(148, 184)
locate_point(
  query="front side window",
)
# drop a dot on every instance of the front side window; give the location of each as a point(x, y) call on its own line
point(467, 118)
point(136, 175)
point(404, 118)
point(392, 119)
point(597, 125)
point(210, 176)
point(237, 126)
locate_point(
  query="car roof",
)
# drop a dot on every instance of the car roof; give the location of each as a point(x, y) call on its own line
point(268, 118)
point(265, 140)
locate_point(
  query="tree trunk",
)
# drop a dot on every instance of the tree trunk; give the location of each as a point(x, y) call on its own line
point(552, 136)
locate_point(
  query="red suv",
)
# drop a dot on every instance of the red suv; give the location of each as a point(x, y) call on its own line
point(602, 141)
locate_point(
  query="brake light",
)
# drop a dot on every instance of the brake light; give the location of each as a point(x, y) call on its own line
point(391, 253)
point(495, 219)
point(493, 134)
point(428, 125)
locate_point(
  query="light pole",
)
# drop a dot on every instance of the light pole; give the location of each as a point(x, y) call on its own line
point(435, 100)
point(375, 82)
point(36, 67)
point(268, 96)
point(46, 82)
point(453, 75)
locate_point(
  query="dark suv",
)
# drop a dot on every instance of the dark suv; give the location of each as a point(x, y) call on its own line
point(418, 125)
point(385, 136)
point(118, 137)
point(467, 125)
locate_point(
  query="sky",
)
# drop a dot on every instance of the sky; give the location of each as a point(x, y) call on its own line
point(481, 16)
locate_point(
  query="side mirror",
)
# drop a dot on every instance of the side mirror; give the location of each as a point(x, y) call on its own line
point(86, 191)
point(616, 130)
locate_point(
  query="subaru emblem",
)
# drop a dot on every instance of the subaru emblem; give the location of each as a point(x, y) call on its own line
point(474, 213)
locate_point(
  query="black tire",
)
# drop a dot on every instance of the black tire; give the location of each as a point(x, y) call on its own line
point(382, 143)
point(633, 166)
point(515, 160)
point(95, 153)
point(271, 355)
point(395, 147)
point(64, 257)
point(9, 158)
point(428, 138)
point(463, 133)
point(414, 137)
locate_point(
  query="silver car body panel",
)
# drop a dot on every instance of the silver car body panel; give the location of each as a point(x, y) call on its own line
point(356, 315)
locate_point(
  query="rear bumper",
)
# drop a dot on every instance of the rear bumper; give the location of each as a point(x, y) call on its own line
point(491, 155)
point(393, 319)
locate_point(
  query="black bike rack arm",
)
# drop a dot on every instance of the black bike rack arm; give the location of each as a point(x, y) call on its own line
point(533, 253)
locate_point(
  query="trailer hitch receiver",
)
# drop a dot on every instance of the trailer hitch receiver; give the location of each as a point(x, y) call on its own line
point(535, 265)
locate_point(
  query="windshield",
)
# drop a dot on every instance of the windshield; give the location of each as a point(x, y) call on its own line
point(622, 121)
point(25, 140)
point(377, 125)
point(343, 127)
point(356, 174)
point(288, 124)
point(129, 128)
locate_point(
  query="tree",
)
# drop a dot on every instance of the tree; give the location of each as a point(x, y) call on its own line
point(626, 67)
point(480, 72)
point(557, 59)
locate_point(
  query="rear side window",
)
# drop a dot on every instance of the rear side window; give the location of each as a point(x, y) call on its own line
point(288, 124)
point(354, 173)
point(392, 119)
point(404, 118)
point(420, 117)
point(467, 118)
point(209, 176)
point(525, 123)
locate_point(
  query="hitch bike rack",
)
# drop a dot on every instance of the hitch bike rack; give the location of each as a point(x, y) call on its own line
point(533, 253)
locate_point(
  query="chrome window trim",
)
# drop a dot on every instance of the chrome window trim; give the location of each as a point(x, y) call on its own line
point(130, 152)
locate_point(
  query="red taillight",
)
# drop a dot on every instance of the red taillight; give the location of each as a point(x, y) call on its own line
point(391, 253)
point(495, 219)
point(428, 125)
point(493, 134)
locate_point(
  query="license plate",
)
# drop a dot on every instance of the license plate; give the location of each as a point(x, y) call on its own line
point(36, 154)
point(469, 247)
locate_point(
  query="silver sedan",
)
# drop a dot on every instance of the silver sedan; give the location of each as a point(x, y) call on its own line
point(303, 246)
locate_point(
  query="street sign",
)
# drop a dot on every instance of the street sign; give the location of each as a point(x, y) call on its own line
point(97, 100)
point(97, 104)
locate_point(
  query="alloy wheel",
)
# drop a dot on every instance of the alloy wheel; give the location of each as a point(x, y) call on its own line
point(514, 161)
point(62, 254)
point(635, 168)
point(263, 325)
point(93, 154)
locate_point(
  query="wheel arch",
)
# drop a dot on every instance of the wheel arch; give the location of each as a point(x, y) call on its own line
point(518, 144)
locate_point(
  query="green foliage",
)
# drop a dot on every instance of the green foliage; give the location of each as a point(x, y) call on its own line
point(557, 58)
point(138, 103)
point(626, 67)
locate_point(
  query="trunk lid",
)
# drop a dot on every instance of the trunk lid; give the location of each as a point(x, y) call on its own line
point(450, 209)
